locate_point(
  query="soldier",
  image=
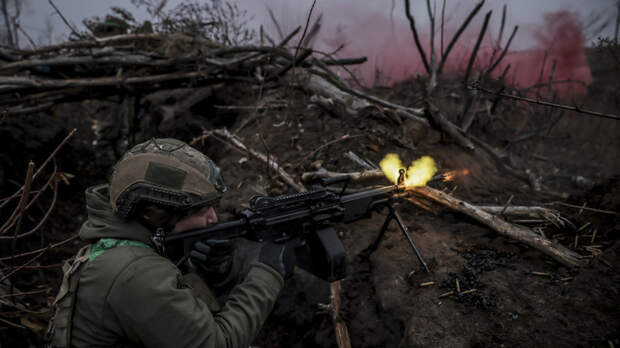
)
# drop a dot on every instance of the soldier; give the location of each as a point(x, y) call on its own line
point(122, 290)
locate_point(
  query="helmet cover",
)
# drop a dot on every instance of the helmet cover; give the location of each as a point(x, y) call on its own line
point(165, 172)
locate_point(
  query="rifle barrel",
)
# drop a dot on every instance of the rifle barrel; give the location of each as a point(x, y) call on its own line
point(228, 225)
point(371, 193)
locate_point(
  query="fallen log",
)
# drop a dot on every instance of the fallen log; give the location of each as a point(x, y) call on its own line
point(520, 233)
point(523, 234)
point(437, 120)
point(328, 95)
point(337, 97)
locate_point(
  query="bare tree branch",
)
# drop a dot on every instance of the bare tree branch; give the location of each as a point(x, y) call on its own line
point(415, 36)
point(433, 73)
point(458, 33)
point(474, 53)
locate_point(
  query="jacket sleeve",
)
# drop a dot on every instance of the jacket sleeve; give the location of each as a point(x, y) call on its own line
point(156, 310)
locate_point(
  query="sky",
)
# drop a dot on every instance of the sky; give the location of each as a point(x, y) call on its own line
point(379, 30)
point(38, 15)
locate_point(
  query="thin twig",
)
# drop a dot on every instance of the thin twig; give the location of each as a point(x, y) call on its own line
point(581, 207)
point(65, 20)
point(10, 323)
point(233, 140)
point(33, 292)
point(289, 37)
point(25, 264)
point(43, 219)
point(11, 221)
point(40, 250)
point(312, 153)
point(275, 22)
point(544, 103)
point(21, 211)
point(21, 30)
point(542, 68)
point(52, 155)
point(498, 42)
point(501, 56)
point(37, 267)
point(303, 35)
point(22, 201)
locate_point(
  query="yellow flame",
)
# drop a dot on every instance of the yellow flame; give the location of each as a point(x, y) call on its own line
point(417, 174)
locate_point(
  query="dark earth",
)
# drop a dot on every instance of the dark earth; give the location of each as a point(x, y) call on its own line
point(519, 297)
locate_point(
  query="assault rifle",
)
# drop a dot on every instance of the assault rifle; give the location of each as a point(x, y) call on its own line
point(306, 218)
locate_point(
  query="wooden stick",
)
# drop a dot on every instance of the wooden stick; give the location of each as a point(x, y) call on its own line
point(468, 291)
point(360, 161)
point(507, 204)
point(446, 294)
point(433, 114)
point(340, 327)
point(233, 140)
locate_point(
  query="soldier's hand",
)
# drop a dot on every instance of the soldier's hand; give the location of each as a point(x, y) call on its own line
point(280, 257)
point(213, 257)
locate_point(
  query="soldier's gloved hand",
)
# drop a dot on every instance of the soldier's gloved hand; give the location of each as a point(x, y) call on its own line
point(280, 257)
point(214, 258)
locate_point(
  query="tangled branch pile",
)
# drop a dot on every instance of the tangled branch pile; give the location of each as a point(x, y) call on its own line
point(35, 80)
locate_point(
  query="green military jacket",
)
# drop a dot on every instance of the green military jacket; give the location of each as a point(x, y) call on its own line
point(130, 296)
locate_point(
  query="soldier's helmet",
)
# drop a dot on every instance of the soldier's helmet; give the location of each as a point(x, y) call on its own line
point(167, 173)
